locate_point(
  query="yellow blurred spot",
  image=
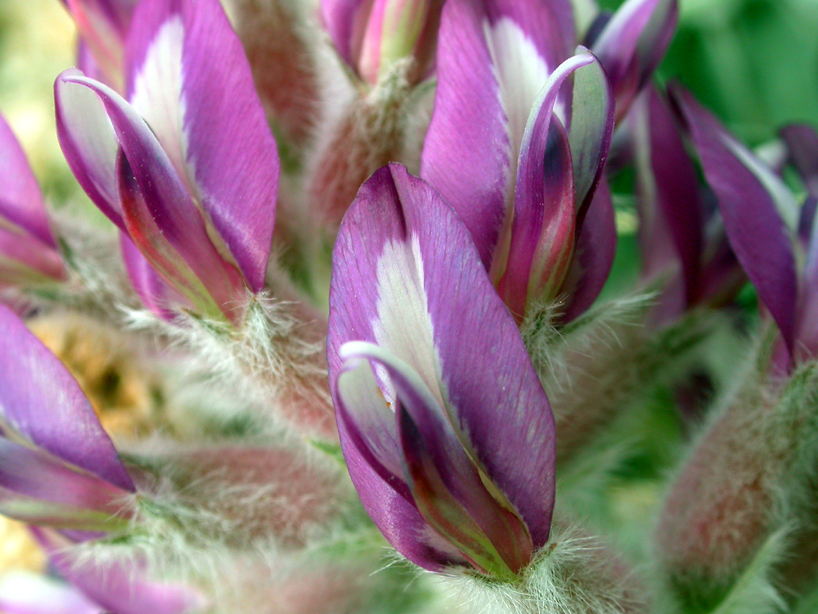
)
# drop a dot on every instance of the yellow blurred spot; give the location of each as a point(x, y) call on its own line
point(18, 549)
point(120, 389)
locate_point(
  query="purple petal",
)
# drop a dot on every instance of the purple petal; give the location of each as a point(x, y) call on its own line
point(189, 79)
point(806, 220)
point(445, 484)
point(752, 220)
point(38, 488)
point(21, 203)
point(807, 325)
point(118, 586)
point(384, 495)
point(103, 25)
point(802, 142)
point(40, 400)
point(152, 290)
point(596, 247)
point(493, 60)
point(407, 277)
point(158, 213)
point(27, 593)
point(88, 142)
point(24, 259)
point(542, 236)
point(668, 194)
point(632, 45)
point(545, 205)
point(345, 20)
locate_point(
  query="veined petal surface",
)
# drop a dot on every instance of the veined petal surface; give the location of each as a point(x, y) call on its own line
point(752, 216)
point(42, 402)
point(407, 278)
point(494, 57)
point(189, 79)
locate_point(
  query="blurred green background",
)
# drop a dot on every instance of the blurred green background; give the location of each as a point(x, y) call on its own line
point(754, 62)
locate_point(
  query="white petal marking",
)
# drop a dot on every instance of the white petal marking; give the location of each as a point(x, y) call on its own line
point(158, 95)
point(403, 326)
point(521, 72)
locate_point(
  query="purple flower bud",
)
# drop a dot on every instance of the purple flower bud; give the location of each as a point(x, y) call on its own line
point(632, 45)
point(28, 251)
point(749, 475)
point(446, 430)
point(103, 28)
point(59, 467)
point(187, 167)
point(761, 221)
point(371, 36)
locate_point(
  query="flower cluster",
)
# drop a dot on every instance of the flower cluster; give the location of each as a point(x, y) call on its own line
point(354, 288)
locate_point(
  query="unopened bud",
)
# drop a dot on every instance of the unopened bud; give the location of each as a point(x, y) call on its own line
point(373, 37)
point(745, 479)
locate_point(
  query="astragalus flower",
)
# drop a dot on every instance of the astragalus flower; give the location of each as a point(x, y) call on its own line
point(60, 471)
point(187, 167)
point(446, 430)
point(518, 156)
point(28, 250)
point(681, 232)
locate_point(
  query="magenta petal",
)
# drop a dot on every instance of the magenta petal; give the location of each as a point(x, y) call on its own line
point(668, 194)
point(103, 25)
point(38, 488)
point(118, 586)
point(24, 259)
point(542, 236)
point(467, 154)
point(594, 254)
point(445, 483)
point(41, 401)
point(407, 277)
point(545, 205)
point(88, 143)
point(802, 142)
point(493, 58)
point(345, 21)
point(222, 139)
point(633, 44)
point(151, 288)
point(158, 213)
point(21, 203)
point(387, 500)
point(753, 223)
